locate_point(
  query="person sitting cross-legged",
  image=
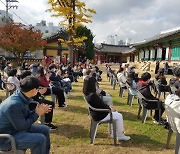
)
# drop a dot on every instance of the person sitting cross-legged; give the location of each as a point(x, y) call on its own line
point(17, 120)
point(95, 101)
point(143, 88)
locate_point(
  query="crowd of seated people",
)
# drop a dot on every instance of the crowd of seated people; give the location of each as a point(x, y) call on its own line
point(126, 75)
point(52, 81)
point(45, 80)
point(57, 80)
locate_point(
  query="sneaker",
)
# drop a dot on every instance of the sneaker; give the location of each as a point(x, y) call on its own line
point(155, 121)
point(160, 122)
point(51, 126)
point(63, 106)
point(123, 138)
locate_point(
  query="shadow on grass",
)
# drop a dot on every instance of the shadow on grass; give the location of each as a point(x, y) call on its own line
point(138, 141)
point(143, 141)
point(75, 131)
point(119, 102)
point(71, 131)
point(76, 85)
point(76, 97)
point(130, 116)
point(77, 109)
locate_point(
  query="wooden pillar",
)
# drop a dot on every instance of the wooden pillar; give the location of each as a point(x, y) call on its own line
point(120, 58)
point(99, 58)
point(170, 53)
point(149, 56)
point(106, 58)
point(127, 58)
point(144, 54)
point(44, 51)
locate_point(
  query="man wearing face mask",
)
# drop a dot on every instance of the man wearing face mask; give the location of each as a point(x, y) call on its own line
point(143, 88)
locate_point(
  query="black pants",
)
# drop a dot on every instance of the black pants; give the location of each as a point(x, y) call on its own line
point(59, 94)
point(48, 116)
point(154, 105)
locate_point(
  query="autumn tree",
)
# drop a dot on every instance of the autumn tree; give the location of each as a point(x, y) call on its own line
point(88, 43)
point(18, 39)
point(74, 13)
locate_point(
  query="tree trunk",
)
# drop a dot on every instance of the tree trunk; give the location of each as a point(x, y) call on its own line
point(71, 54)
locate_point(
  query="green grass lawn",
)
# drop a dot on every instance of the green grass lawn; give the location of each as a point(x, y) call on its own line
point(73, 124)
point(72, 135)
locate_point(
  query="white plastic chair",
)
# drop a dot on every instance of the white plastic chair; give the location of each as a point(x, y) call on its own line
point(145, 110)
point(173, 89)
point(94, 124)
point(132, 93)
point(171, 117)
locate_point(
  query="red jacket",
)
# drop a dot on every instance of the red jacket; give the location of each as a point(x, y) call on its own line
point(44, 81)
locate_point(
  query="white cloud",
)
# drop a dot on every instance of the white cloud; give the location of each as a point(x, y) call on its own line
point(136, 19)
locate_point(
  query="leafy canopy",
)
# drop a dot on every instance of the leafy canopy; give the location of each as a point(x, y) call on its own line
point(18, 39)
point(74, 13)
point(89, 45)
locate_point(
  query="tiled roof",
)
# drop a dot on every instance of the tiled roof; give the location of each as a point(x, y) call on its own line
point(60, 34)
point(159, 37)
point(108, 48)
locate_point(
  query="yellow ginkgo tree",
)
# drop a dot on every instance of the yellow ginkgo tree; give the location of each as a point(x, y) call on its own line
point(74, 14)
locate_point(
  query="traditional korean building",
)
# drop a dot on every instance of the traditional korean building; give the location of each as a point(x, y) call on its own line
point(107, 53)
point(55, 48)
point(164, 47)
